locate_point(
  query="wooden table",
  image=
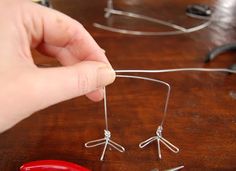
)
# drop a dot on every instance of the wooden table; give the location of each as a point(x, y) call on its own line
point(201, 117)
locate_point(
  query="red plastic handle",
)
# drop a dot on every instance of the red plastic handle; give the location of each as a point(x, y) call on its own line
point(52, 165)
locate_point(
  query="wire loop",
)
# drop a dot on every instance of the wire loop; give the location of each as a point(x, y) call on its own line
point(107, 141)
point(160, 139)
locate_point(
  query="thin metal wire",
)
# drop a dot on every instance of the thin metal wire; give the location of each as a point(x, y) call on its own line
point(106, 141)
point(143, 17)
point(179, 29)
point(105, 108)
point(157, 81)
point(178, 70)
point(159, 138)
point(175, 169)
point(143, 33)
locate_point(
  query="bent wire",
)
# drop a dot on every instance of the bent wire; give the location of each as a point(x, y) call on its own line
point(106, 141)
point(143, 17)
point(159, 138)
point(178, 70)
point(178, 29)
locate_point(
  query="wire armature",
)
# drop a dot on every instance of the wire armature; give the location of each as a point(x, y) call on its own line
point(106, 141)
point(159, 137)
point(178, 29)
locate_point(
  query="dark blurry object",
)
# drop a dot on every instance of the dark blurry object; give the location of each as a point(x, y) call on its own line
point(42, 2)
point(199, 10)
point(220, 50)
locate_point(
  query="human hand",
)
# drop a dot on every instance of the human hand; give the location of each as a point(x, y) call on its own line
point(25, 88)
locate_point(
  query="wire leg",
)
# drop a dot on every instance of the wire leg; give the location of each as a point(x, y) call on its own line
point(104, 151)
point(107, 142)
point(159, 148)
point(159, 138)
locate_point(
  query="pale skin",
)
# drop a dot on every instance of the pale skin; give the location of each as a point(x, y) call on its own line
point(25, 88)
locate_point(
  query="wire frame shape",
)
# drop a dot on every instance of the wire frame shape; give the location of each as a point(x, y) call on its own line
point(106, 141)
point(109, 11)
point(158, 137)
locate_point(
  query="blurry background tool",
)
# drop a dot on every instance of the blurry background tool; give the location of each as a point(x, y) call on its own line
point(219, 51)
point(199, 10)
point(42, 2)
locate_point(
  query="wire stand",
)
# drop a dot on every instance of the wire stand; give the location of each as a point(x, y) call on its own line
point(106, 141)
point(109, 10)
point(109, 7)
point(159, 138)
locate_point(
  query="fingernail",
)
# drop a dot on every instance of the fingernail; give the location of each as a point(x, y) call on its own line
point(106, 75)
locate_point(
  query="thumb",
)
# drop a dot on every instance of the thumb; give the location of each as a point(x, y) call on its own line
point(55, 85)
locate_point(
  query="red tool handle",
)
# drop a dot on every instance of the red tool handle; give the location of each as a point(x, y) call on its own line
point(52, 165)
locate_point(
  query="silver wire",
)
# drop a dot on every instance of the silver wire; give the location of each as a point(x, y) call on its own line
point(157, 81)
point(146, 18)
point(175, 169)
point(143, 33)
point(106, 141)
point(179, 29)
point(105, 107)
point(159, 138)
point(178, 70)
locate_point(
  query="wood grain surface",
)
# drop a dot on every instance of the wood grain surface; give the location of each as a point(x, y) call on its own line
point(201, 117)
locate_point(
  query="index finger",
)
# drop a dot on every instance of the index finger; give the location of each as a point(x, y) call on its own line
point(62, 36)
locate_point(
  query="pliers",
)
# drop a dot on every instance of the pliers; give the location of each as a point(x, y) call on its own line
point(52, 165)
point(220, 50)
